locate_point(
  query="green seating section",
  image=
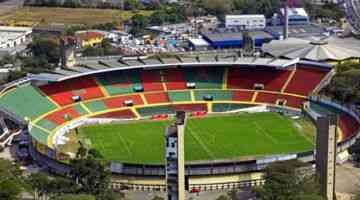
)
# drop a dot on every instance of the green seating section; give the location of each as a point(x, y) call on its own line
point(205, 78)
point(26, 101)
point(122, 82)
point(47, 124)
point(218, 95)
point(96, 106)
point(224, 107)
point(39, 135)
point(148, 111)
point(78, 108)
point(179, 96)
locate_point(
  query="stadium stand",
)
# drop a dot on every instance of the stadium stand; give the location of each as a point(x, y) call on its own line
point(120, 82)
point(271, 98)
point(217, 95)
point(96, 106)
point(305, 80)
point(62, 92)
point(155, 110)
point(47, 124)
point(190, 107)
point(18, 102)
point(39, 135)
point(225, 107)
point(179, 96)
point(246, 78)
point(121, 114)
point(205, 78)
point(151, 80)
point(174, 79)
point(61, 116)
point(159, 97)
point(118, 102)
point(348, 125)
point(242, 95)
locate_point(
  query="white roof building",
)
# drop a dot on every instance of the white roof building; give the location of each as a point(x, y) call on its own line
point(13, 36)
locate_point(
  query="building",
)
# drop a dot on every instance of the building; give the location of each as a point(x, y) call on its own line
point(198, 44)
point(332, 49)
point(222, 38)
point(298, 31)
point(297, 16)
point(245, 22)
point(11, 37)
point(322, 2)
point(89, 38)
point(175, 158)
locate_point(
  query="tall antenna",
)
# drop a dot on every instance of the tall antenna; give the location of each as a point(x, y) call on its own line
point(286, 19)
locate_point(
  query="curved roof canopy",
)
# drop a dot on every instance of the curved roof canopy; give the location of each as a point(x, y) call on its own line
point(331, 48)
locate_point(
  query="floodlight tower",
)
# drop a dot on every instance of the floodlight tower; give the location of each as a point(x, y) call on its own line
point(287, 4)
point(175, 161)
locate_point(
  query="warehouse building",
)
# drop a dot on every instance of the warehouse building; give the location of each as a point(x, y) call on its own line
point(245, 22)
point(223, 38)
point(297, 16)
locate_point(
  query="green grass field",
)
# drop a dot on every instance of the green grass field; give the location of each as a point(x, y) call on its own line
point(222, 137)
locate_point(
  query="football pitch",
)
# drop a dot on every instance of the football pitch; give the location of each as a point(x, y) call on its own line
point(212, 138)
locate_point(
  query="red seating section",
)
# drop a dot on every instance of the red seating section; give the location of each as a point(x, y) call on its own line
point(58, 117)
point(159, 97)
point(305, 80)
point(62, 92)
point(118, 102)
point(174, 79)
point(151, 80)
point(160, 117)
point(348, 126)
point(270, 98)
point(246, 78)
point(242, 95)
point(121, 114)
point(190, 107)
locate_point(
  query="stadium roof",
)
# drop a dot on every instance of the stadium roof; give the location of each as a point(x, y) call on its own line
point(93, 67)
point(299, 31)
point(332, 48)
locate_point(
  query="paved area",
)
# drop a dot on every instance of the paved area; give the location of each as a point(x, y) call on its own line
point(347, 178)
point(6, 154)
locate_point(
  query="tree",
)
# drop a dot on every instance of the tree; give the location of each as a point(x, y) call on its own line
point(75, 197)
point(10, 190)
point(223, 197)
point(131, 4)
point(218, 7)
point(39, 184)
point(286, 180)
point(11, 184)
point(93, 177)
point(48, 49)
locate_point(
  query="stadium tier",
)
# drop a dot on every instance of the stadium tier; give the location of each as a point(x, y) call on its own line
point(305, 80)
point(248, 77)
point(66, 114)
point(205, 77)
point(120, 101)
point(174, 79)
point(96, 106)
point(26, 101)
point(216, 95)
point(158, 97)
point(120, 82)
point(179, 96)
point(348, 126)
point(155, 110)
point(243, 95)
point(151, 80)
point(63, 92)
point(279, 99)
point(120, 114)
point(225, 107)
point(190, 107)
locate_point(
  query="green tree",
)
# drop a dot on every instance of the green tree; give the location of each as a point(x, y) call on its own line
point(75, 197)
point(218, 7)
point(11, 182)
point(223, 197)
point(47, 49)
point(286, 180)
point(10, 190)
point(39, 183)
point(93, 176)
point(132, 4)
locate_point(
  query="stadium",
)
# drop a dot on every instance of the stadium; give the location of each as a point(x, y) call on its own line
point(243, 114)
